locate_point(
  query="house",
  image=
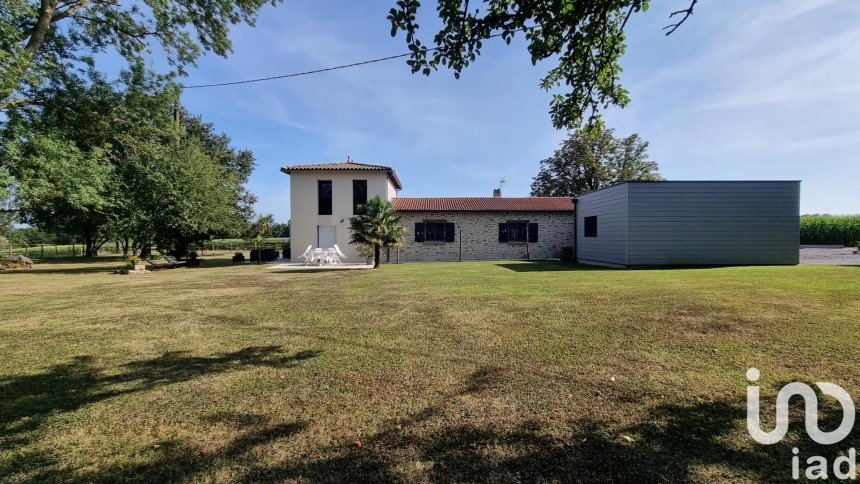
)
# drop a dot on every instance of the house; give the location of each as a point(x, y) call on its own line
point(630, 224)
point(641, 223)
point(323, 196)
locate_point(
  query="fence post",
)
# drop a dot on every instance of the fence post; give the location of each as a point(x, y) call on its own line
point(73, 250)
point(26, 251)
point(42, 251)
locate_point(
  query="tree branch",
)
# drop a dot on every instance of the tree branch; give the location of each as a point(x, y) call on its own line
point(687, 12)
point(40, 30)
point(16, 102)
point(70, 11)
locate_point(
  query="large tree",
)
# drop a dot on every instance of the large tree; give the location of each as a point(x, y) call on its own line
point(41, 39)
point(592, 159)
point(108, 162)
point(585, 38)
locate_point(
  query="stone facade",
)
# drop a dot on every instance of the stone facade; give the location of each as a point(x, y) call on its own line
point(479, 233)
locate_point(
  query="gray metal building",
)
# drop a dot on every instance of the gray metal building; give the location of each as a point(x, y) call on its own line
point(690, 223)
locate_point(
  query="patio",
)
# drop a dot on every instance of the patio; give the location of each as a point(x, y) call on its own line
point(302, 267)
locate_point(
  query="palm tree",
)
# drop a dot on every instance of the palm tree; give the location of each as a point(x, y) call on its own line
point(259, 230)
point(377, 224)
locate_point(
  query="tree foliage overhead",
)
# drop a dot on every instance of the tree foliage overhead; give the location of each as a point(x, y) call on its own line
point(585, 37)
point(592, 159)
point(40, 39)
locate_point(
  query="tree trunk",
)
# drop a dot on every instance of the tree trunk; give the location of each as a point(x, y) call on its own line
point(377, 254)
point(90, 244)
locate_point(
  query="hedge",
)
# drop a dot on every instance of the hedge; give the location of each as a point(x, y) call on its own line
point(830, 229)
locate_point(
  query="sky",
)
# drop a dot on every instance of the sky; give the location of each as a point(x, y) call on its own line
point(743, 90)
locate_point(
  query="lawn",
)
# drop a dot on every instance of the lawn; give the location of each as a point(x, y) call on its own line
point(484, 371)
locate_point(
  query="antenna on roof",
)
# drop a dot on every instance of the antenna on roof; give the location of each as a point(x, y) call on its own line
point(348, 159)
point(498, 191)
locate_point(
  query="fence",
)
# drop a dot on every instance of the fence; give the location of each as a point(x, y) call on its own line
point(43, 251)
point(47, 251)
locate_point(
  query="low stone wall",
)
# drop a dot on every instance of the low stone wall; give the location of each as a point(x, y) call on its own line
point(479, 234)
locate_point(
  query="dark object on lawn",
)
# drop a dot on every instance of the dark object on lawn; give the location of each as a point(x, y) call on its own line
point(170, 263)
point(566, 254)
point(193, 260)
point(238, 257)
point(264, 255)
point(16, 262)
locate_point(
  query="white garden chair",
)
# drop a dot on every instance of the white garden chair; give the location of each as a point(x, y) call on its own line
point(338, 254)
point(307, 254)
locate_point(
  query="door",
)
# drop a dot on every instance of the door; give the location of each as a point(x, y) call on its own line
point(326, 236)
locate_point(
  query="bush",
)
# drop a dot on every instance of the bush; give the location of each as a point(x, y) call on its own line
point(566, 254)
point(238, 257)
point(830, 229)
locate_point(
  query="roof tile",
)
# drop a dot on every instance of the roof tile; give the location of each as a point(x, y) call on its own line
point(344, 165)
point(485, 204)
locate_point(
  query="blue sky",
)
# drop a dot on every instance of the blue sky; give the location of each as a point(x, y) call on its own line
point(744, 90)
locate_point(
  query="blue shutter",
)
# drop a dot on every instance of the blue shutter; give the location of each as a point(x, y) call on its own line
point(503, 232)
point(449, 232)
point(533, 232)
point(419, 232)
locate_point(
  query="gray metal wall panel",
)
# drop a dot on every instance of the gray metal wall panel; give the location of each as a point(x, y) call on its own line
point(610, 207)
point(728, 222)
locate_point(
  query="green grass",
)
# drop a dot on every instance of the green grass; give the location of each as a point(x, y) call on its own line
point(508, 371)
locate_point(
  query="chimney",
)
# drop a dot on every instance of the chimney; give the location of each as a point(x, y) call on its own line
point(497, 192)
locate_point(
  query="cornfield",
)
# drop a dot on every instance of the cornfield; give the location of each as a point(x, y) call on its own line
point(830, 229)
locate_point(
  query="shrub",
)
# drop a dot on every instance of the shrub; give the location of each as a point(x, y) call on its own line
point(238, 257)
point(830, 229)
point(131, 261)
point(566, 254)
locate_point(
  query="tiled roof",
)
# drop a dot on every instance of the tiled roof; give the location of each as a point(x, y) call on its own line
point(484, 204)
point(344, 165)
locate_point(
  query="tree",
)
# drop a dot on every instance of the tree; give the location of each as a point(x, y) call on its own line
point(586, 37)
point(259, 230)
point(107, 161)
point(592, 159)
point(376, 224)
point(281, 230)
point(40, 39)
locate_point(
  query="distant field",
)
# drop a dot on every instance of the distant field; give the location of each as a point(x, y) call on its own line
point(830, 229)
point(457, 372)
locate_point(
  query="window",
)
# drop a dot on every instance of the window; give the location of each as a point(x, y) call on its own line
point(324, 196)
point(591, 226)
point(435, 231)
point(359, 194)
point(518, 231)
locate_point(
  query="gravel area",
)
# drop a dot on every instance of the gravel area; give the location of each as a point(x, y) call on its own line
point(835, 257)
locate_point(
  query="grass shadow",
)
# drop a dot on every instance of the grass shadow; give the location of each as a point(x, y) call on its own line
point(29, 399)
point(550, 266)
